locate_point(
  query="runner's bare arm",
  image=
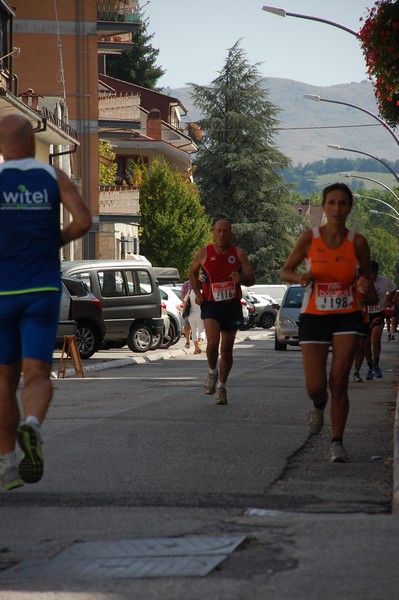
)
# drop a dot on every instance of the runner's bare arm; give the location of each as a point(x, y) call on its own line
point(194, 271)
point(362, 252)
point(71, 199)
point(245, 275)
point(288, 272)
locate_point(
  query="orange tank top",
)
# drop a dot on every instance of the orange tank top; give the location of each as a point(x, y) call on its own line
point(333, 275)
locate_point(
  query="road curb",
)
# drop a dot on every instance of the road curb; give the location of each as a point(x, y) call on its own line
point(122, 362)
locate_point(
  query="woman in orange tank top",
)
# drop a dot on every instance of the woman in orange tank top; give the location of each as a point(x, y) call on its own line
point(337, 263)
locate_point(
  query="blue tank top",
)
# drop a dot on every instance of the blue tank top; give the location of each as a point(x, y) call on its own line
point(30, 235)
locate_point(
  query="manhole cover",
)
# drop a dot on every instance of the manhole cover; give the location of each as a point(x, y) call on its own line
point(190, 556)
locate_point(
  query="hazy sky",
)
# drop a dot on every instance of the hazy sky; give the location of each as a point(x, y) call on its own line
point(193, 37)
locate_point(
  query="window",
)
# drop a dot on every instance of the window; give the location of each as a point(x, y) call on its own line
point(145, 285)
point(112, 284)
point(85, 278)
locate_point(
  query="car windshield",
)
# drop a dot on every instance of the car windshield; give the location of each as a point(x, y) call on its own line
point(294, 297)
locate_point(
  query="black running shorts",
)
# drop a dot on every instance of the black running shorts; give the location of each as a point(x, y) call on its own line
point(320, 329)
point(227, 314)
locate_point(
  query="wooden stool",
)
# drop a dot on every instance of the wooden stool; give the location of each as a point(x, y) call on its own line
point(70, 350)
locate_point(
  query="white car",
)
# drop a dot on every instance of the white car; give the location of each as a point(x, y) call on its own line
point(266, 312)
point(174, 310)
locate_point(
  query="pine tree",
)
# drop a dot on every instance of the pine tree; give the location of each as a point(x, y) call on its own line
point(173, 222)
point(237, 166)
point(138, 65)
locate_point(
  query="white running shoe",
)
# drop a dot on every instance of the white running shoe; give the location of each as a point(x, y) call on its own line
point(338, 453)
point(210, 383)
point(315, 420)
point(221, 396)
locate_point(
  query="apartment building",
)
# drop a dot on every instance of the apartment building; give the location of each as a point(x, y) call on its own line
point(62, 62)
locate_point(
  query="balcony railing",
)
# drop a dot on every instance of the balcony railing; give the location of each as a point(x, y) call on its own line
point(118, 10)
point(119, 200)
point(121, 107)
point(60, 123)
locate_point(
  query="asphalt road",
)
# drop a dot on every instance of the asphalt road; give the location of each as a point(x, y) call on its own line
point(139, 452)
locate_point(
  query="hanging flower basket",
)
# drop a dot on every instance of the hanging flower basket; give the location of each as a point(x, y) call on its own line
point(379, 37)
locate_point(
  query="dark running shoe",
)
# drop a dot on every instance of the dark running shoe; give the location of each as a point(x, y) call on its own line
point(31, 465)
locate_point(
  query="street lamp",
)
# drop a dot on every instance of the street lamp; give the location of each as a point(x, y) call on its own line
point(281, 12)
point(377, 200)
point(15, 52)
point(377, 212)
point(376, 117)
point(335, 147)
point(370, 179)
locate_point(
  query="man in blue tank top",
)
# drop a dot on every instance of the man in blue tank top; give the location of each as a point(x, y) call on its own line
point(30, 288)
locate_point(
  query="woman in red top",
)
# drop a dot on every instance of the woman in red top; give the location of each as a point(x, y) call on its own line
point(336, 260)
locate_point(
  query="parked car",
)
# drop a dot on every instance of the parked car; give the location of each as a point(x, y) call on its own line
point(160, 339)
point(266, 313)
point(174, 310)
point(66, 323)
point(248, 312)
point(130, 298)
point(286, 326)
point(276, 291)
point(87, 312)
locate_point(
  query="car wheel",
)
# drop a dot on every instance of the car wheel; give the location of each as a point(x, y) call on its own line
point(139, 338)
point(87, 339)
point(278, 345)
point(156, 341)
point(266, 320)
point(177, 337)
point(168, 339)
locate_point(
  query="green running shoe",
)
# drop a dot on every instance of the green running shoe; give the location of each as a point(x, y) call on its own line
point(9, 477)
point(31, 465)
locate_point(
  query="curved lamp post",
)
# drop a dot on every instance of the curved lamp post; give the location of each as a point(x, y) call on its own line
point(281, 12)
point(377, 212)
point(368, 112)
point(377, 200)
point(350, 175)
point(335, 147)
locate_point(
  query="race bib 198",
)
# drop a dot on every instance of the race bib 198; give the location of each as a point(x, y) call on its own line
point(333, 296)
point(224, 290)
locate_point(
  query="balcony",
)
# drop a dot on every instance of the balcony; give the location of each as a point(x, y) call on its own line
point(119, 107)
point(119, 200)
point(117, 15)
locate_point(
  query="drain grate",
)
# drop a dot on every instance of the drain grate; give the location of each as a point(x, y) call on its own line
point(189, 556)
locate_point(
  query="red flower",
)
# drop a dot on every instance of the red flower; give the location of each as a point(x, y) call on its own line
point(380, 45)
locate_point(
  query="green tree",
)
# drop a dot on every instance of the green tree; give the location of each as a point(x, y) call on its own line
point(138, 65)
point(107, 166)
point(173, 222)
point(380, 230)
point(237, 165)
point(384, 249)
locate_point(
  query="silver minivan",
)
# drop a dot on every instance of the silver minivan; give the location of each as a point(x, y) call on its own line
point(130, 298)
point(286, 325)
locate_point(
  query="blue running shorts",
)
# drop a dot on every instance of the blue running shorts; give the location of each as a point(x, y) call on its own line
point(28, 326)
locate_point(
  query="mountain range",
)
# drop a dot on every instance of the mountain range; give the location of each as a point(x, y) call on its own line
point(306, 127)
